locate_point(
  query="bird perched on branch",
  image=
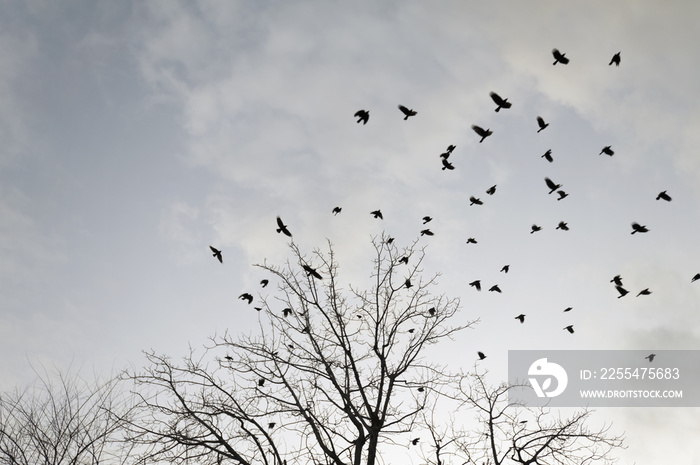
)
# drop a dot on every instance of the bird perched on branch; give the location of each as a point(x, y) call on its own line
point(217, 254)
point(363, 116)
point(501, 102)
point(541, 123)
point(407, 112)
point(483, 133)
point(282, 228)
point(559, 57)
point(615, 59)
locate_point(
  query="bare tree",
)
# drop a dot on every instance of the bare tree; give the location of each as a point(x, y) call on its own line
point(63, 419)
point(332, 374)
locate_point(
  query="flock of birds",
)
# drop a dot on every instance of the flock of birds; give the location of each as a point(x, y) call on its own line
point(501, 104)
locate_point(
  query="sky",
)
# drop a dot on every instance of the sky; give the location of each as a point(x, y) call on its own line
point(135, 135)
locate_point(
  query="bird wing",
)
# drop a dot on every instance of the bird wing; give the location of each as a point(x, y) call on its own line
point(280, 223)
point(540, 121)
point(404, 110)
point(478, 129)
point(496, 98)
point(550, 183)
point(360, 113)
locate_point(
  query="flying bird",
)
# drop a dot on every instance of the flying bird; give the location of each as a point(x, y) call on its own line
point(450, 148)
point(563, 226)
point(638, 228)
point(311, 272)
point(695, 278)
point(559, 57)
point(431, 310)
point(246, 296)
point(229, 358)
point(427, 219)
point(408, 284)
point(568, 309)
point(650, 357)
point(471, 240)
point(377, 214)
point(607, 150)
point(446, 165)
point(362, 116)
point(505, 268)
point(483, 133)
point(562, 194)
point(407, 112)
point(495, 288)
point(552, 186)
point(282, 228)
point(501, 102)
point(217, 254)
point(474, 200)
point(426, 232)
point(271, 425)
point(663, 196)
point(521, 317)
point(548, 156)
point(617, 280)
point(476, 284)
point(569, 328)
point(390, 240)
point(491, 190)
point(286, 312)
point(415, 441)
point(541, 123)
point(481, 355)
point(264, 282)
point(615, 59)
point(337, 210)
point(623, 292)
point(644, 292)
point(535, 228)
point(404, 260)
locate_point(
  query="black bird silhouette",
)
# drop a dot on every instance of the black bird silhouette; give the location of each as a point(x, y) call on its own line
point(483, 133)
point(563, 226)
point(535, 228)
point(261, 382)
point(623, 292)
point(607, 150)
point(559, 57)
point(415, 441)
point(363, 116)
point(446, 165)
point(246, 296)
point(568, 309)
point(474, 200)
point(337, 210)
point(427, 219)
point(650, 357)
point(491, 190)
point(264, 282)
point(562, 194)
point(217, 254)
point(638, 228)
point(390, 240)
point(408, 284)
point(229, 358)
point(695, 278)
point(286, 312)
point(505, 268)
point(445, 155)
point(481, 355)
point(426, 232)
point(521, 317)
point(407, 112)
point(569, 328)
point(282, 228)
point(552, 186)
point(495, 288)
point(471, 240)
point(541, 123)
point(431, 310)
point(617, 280)
point(421, 389)
point(377, 214)
point(663, 196)
point(615, 59)
point(404, 260)
point(548, 156)
point(258, 308)
point(311, 272)
point(644, 292)
point(501, 102)
point(476, 284)
point(271, 425)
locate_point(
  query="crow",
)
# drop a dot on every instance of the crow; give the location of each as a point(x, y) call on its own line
point(415, 441)
point(568, 309)
point(363, 116)
point(552, 186)
point(404, 260)
point(491, 190)
point(445, 155)
point(337, 210)
point(607, 150)
point(663, 196)
point(695, 278)
point(446, 165)
point(615, 59)
point(407, 112)
point(569, 328)
point(421, 389)
point(390, 240)
point(229, 358)
point(426, 232)
point(559, 57)
point(471, 240)
point(217, 254)
point(483, 133)
point(427, 219)
point(505, 268)
point(501, 102)
point(617, 280)
point(431, 310)
point(474, 200)
point(408, 284)
point(476, 284)
point(311, 272)
point(638, 228)
point(377, 214)
point(535, 228)
point(562, 194)
point(548, 156)
point(412, 330)
point(644, 292)
point(521, 317)
point(286, 312)
point(541, 123)
point(450, 148)
point(481, 355)
point(563, 226)
point(264, 282)
point(246, 296)
point(623, 292)
point(282, 228)
point(650, 357)
point(271, 425)
point(495, 288)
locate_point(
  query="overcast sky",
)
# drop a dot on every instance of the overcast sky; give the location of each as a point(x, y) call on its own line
point(136, 134)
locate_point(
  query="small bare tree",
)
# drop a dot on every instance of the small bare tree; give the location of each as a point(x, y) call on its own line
point(65, 420)
point(332, 373)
